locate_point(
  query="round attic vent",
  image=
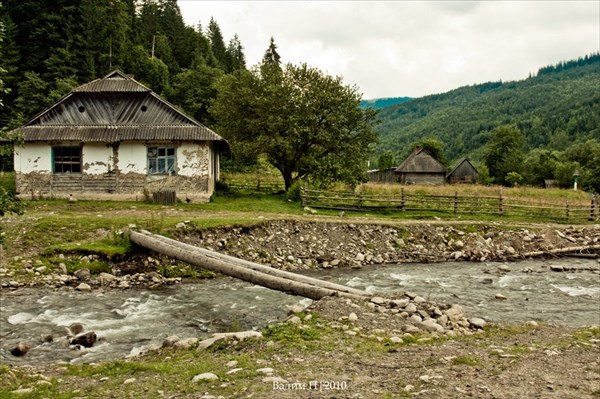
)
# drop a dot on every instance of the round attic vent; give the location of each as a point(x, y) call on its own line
point(81, 108)
point(144, 108)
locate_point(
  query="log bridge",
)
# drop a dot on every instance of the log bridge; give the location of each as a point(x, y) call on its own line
point(266, 276)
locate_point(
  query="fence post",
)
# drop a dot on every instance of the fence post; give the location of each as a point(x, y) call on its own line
point(258, 184)
point(592, 206)
point(303, 195)
point(402, 200)
point(568, 212)
point(455, 202)
point(500, 204)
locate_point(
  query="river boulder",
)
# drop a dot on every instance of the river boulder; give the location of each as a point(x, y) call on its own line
point(20, 350)
point(83, 274)
point(86, 340)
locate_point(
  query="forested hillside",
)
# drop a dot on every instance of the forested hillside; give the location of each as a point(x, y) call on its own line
point(49, 47)
point(556, 108)
point(551, 120)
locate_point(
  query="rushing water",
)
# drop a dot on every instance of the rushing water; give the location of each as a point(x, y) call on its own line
point(568, 298)
point(127, 321)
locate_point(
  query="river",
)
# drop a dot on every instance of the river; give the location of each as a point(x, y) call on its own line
point(127, 321)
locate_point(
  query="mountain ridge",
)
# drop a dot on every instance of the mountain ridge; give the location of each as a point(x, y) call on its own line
point(556, 107)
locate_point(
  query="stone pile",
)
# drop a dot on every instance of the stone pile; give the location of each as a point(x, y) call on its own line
point(406, 314)
point(421, 315)
point(84, 280)
point(296, 245)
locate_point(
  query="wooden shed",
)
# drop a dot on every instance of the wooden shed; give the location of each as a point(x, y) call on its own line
point(114, 138)
point(464, 172)
point(421, 168)
point(387, 176)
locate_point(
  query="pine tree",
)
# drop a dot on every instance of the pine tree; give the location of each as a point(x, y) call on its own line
point(271, 56)
point(235, 54)
point(217, 43)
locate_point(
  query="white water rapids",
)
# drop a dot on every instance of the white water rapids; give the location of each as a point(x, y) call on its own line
point(126, 321)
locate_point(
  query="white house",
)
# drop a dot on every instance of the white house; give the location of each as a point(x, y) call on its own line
point(113, 138)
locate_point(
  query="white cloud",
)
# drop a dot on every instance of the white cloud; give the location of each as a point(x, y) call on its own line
point(397, 48)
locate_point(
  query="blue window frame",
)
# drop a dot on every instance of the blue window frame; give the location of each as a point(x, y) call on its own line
point(162, 160)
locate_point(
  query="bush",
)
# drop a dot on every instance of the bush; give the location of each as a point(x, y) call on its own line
point(293, 193)
point(514, 179)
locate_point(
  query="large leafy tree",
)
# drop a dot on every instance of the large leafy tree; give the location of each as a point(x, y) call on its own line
point(504, 152)
point(308, 124)
point(386, 160)
point(194, 89)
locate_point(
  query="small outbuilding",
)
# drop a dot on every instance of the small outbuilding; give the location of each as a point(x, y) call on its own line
point(114, 138)
point(464, 172)
point(387, 176)
point(421, 168)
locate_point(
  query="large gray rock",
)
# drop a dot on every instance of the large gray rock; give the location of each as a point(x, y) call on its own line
point(399, 303)
point(170, 341)
point(429, 325)
point(76, 328)
point(87, 340)
point(83, 274)
point(455, 313)
point(410, 308)
point(20, 350)
point(477, 322)
point(205, 377)
point(377, 300)
point(84, 287)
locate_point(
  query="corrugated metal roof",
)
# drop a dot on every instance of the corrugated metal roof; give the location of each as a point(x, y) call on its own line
point(113, 109)
point(114, 82)
point(112, 134)
point(99, 109)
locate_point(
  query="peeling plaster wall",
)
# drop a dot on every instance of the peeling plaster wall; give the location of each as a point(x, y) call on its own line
point(33, 158)
point(97, 159)
point(117, 172)
point(193, 160)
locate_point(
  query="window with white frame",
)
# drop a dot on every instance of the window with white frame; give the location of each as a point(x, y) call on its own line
point(161, 160)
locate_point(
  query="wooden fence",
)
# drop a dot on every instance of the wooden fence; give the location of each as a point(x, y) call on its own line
point(454, 204)
point(261, 184)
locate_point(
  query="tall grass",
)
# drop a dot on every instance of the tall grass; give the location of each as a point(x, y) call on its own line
point(7, 181)
point(534, 195)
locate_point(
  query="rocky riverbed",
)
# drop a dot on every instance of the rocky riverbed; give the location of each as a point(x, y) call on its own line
point(294, 245)
point(302, 245)
point(403, 344)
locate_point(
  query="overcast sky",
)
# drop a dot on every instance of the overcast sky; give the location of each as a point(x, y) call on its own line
point(409, 48)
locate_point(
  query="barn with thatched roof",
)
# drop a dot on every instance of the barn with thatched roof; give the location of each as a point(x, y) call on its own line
point(421, 168)
point(114, 138)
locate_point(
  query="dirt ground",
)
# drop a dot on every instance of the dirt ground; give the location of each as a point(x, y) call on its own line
point(503, 362)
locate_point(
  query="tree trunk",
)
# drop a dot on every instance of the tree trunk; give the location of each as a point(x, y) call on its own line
point(287, 179)
point(561, 251)
point(256, 266)
point(277, 279)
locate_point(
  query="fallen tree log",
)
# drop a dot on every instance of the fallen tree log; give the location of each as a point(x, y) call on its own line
point(192, 255)
point(258, 267)
point(558, 251)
